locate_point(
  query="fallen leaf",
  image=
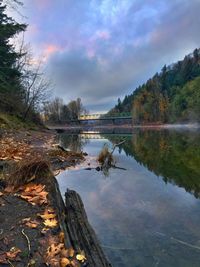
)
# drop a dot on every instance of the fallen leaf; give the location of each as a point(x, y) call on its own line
point(61, 237)
point(71, 252)
point(34, 194)
point(67, 253)
point(12, 254)
point(47, 215)
point(1, 194)
point(32, 224)
point(51, 223)
point(64, 262)
point(80, 257)
point(54, 250)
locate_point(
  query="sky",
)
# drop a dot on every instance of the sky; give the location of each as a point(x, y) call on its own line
point(100, 50)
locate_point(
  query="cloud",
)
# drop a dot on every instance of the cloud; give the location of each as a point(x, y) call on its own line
point(102, 50)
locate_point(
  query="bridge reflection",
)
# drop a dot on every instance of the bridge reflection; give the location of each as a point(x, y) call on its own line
point(87, 117)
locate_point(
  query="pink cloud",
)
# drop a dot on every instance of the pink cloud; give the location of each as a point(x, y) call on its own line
point(50, 49)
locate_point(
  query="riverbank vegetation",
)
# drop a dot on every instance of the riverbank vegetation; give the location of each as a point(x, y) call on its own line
point(23, 86)
point(171, 96)
point(57, 112)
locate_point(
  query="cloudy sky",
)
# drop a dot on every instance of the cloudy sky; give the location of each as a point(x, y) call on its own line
point(100, 50)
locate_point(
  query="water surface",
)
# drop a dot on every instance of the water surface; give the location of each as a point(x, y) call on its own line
point(149, 214)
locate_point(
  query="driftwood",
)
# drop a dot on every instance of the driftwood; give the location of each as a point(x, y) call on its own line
point(61, 211)
point(82, 236)
point(106, 159)
point(116, 145)
point(61, 148)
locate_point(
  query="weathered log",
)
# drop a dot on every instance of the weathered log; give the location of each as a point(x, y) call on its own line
point(57, 202)
point(61, 211)
point(82, 235)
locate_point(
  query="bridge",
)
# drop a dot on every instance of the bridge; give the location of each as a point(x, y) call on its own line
point(95, 117)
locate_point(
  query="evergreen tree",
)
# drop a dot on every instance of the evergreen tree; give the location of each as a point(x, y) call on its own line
point(11, 92)
point(169, 96)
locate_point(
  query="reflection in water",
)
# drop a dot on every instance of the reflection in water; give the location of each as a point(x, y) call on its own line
point(175, 156)
point(73, 142)
point(142, 219)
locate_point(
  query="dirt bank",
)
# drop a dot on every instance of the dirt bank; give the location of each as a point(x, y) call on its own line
point(31, 208)
point(35, 225)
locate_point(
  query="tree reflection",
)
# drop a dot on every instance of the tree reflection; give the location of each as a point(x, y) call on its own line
point(73, 142)
point(173, 155)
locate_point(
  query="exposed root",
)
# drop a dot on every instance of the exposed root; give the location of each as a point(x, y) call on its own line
point(27, 170)
point(105, 157)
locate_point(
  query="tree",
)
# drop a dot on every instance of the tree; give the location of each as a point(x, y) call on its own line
point(53, 110)
point(10, 87)
point(58, 112)
point(169, 96)
point(36, 88)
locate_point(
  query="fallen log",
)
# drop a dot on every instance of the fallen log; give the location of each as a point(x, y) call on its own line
point(82, 235)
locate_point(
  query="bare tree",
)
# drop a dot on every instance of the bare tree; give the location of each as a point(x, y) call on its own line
point(36, 88)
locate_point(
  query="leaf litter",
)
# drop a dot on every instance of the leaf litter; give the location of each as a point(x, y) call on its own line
point(56, 254)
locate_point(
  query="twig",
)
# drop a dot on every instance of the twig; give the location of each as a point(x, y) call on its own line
point(117, 145)
point(120, 168)
point(28, 241)
point(10, 263)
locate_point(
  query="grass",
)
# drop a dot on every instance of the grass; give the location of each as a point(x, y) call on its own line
point(13, 122)
point(27, 171)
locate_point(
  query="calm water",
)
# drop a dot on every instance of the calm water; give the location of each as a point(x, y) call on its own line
point(149, 214)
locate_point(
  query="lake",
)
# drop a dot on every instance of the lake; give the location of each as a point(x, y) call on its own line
point(148, 214)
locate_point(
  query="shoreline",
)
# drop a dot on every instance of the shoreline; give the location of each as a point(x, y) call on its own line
point(35, 227)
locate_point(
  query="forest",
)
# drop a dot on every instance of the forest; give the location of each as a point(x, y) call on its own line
point(171, 96)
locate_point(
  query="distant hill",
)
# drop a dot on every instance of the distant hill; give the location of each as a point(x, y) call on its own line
point(173, 95)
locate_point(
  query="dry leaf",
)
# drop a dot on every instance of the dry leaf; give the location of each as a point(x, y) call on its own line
point(1, 194)
point(32, 224)
point(35, 194)
point(61, 237)
point(64, 262)
point(51, 223)
point(54, 250)
point(80, 257)
point(71, 252)
point(12, 254)
point(47, 215)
